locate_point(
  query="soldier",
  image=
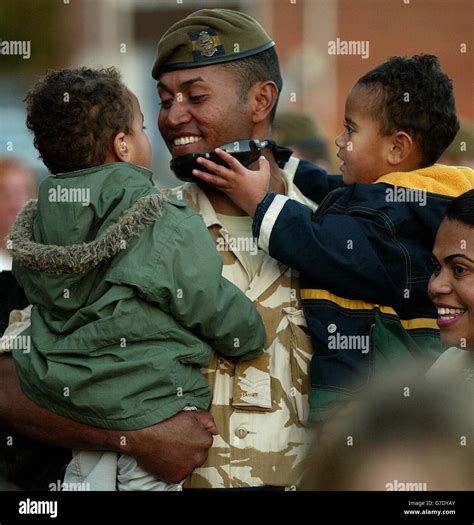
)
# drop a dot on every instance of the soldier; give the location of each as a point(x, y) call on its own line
point(219, 82)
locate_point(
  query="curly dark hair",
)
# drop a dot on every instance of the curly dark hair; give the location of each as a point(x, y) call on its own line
point(75, 114)
point(261, 67)
point(412, 94)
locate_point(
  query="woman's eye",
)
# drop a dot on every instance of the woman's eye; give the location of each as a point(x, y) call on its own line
point(143, 127)
point(436, 268)
point(459, 270)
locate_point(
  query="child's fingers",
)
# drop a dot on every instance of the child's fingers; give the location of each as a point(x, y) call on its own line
point(217, 169)
point(264, 165)
point(213, 180)
point(237, 166)
point(231, 161)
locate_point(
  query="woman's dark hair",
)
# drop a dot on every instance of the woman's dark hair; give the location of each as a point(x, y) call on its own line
point(461, 209)
point(412, 94)
point(75, 114)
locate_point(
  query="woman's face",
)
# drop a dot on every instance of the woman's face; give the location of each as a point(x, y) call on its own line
point(451, 287)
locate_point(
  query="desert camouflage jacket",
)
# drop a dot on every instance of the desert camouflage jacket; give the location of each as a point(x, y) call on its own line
point(260, 406)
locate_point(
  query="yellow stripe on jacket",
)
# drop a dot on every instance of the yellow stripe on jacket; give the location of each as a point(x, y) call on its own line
point(357, 304)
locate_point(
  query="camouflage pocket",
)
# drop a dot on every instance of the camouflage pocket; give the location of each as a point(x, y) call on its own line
point(300, 359)
point(252, 384)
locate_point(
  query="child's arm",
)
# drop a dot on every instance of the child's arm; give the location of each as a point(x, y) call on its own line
point(190, 286)
point(349, 250)
point(314, 182)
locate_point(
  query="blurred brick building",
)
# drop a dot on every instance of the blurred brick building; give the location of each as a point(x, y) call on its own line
point(124, 33)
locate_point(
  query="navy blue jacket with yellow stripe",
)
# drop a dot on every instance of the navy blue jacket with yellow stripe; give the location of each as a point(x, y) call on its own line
point(364, 259)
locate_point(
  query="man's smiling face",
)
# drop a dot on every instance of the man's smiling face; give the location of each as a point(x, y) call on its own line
point(201, 110)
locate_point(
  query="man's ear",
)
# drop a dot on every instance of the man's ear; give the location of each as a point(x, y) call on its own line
point(121, 148)
point(401, 147)
point(263, 97)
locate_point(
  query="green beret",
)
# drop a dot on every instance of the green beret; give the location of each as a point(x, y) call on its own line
point(209, 36)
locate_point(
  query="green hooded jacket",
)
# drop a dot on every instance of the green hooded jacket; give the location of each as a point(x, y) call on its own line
point(128, 300)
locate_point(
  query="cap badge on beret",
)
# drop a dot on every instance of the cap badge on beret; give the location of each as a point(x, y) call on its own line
point(208, 37)
point(205, 44)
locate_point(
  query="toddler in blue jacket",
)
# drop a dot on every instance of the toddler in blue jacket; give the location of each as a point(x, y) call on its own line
point(365, 254)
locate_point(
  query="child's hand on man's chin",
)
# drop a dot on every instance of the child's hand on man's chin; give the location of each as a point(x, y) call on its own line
point(245, 187)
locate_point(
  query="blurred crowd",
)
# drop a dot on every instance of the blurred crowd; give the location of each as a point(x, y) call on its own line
point(18, 184)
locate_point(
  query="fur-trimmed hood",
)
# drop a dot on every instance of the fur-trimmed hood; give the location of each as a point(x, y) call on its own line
point(118, 335)
point(79, 258)
point(61, 233)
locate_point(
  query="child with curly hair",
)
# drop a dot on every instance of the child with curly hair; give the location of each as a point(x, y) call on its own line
point(128, 301)
point(365, 254)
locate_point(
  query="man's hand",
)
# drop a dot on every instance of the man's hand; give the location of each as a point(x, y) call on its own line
point(173, 448)
point(245, 187)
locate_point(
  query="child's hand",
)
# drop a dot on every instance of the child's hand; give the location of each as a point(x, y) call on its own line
point(245, 187)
